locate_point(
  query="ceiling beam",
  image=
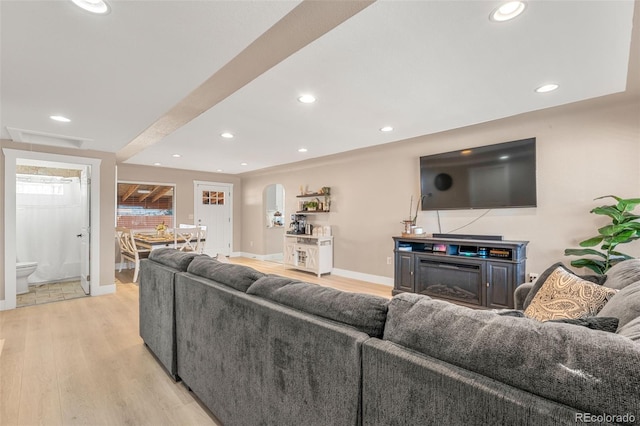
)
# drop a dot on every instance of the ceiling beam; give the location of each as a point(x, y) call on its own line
point(307, 22)
point(162, 190)
point(129, 192)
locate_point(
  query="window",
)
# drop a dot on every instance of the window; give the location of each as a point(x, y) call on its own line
point(213, 197)
point(145, 206)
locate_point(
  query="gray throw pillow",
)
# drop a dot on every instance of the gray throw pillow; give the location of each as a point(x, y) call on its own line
point(365, 312)
point(509, 313)
point(631, 330)
point(596, 279)
point(172, 258)
point(608, 324)
point(239, 277)
point(625, 305)
point(624, 273)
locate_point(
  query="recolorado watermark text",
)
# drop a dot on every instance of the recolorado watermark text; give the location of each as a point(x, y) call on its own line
point(605, 418)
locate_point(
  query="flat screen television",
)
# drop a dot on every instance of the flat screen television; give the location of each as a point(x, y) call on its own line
point(487, 177)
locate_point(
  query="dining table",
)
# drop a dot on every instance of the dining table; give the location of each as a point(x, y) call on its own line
point(153, 240)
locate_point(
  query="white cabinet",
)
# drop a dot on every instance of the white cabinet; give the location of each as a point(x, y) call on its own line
point(308, 253)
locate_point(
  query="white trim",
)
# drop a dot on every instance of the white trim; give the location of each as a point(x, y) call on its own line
point(101, 290)
point(11, 156)
point(249, 255)
point(376, 279)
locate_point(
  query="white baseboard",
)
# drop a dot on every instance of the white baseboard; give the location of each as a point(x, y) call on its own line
point(249, 255)
point(377, 279)
point(101, 290)
point(2, 305)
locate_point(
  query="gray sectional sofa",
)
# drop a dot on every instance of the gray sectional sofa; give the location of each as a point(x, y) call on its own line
point(267, 350)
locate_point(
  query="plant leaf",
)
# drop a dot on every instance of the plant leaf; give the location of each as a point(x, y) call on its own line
point(628, 204)
point(596, 266)
point(609, 196)
point(584, 252)
point(610, 211)
point(591, 242)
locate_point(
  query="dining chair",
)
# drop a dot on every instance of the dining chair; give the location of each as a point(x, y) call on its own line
point(201, 240)
point(184, 238)
point(194, 238)
point(129, 250)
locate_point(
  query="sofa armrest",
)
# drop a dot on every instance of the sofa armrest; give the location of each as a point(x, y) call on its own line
point(520, 295)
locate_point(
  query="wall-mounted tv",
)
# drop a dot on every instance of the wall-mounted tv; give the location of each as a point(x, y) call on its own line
point(487, 177)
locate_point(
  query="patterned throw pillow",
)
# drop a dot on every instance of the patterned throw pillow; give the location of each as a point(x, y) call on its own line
point(564, 295)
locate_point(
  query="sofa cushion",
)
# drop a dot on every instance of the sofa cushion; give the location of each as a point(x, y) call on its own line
point(365, 312)
point(608, 324)
point(239, 277)
point(596, 279)
point(172, 258)
point(625, 305)
point(631, 330)
point(565, 295)
point(568, 364)
point(623, 273)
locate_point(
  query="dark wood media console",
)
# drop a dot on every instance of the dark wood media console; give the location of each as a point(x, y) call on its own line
point(472, 272)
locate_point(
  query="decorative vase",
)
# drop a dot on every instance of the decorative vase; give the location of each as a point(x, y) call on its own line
point(407, 226)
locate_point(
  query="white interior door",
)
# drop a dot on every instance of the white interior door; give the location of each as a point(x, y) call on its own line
point(212, 209)
point(85, 228)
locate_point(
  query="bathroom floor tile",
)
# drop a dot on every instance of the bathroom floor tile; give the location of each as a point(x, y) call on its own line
point(52, 292)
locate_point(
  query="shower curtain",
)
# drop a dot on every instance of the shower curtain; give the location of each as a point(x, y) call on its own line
point(47, 221)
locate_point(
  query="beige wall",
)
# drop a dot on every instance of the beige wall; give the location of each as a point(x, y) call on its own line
point(584, 150)
point(183, 179)
point(107, 197)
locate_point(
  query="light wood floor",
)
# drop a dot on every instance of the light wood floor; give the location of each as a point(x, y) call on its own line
point(82, 362)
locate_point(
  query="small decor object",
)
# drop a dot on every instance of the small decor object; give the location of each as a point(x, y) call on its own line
point(410, 224)
point(312, 206)
point(326, 191)
point(624, 228)
point(161, 229)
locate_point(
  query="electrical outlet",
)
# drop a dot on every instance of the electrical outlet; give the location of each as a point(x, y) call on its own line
point(250, 243)
point(533, 276)
point(389, 260)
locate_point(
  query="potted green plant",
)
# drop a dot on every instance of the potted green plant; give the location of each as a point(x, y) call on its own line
point(312, 205)
point(624, 228)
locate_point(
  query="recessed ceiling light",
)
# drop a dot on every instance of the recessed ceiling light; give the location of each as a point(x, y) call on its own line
point(243, 164)
point(157, 164)
point(307, 99)
point(99, 7)
point(547, 88)
point(60, 118)
point(227, 135)
point(507, 11)
point(219, 170)
point(302, 150)
point(386, 129)
point(504, 157)
point(176, 155)
point(465, 152)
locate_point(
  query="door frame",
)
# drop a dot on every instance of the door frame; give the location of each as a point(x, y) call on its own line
point(196, 197)
point(11, 156)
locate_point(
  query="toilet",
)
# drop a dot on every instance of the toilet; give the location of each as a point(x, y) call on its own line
point(23, 270)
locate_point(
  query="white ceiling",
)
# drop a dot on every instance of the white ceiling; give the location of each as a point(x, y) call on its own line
point(419, 66)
